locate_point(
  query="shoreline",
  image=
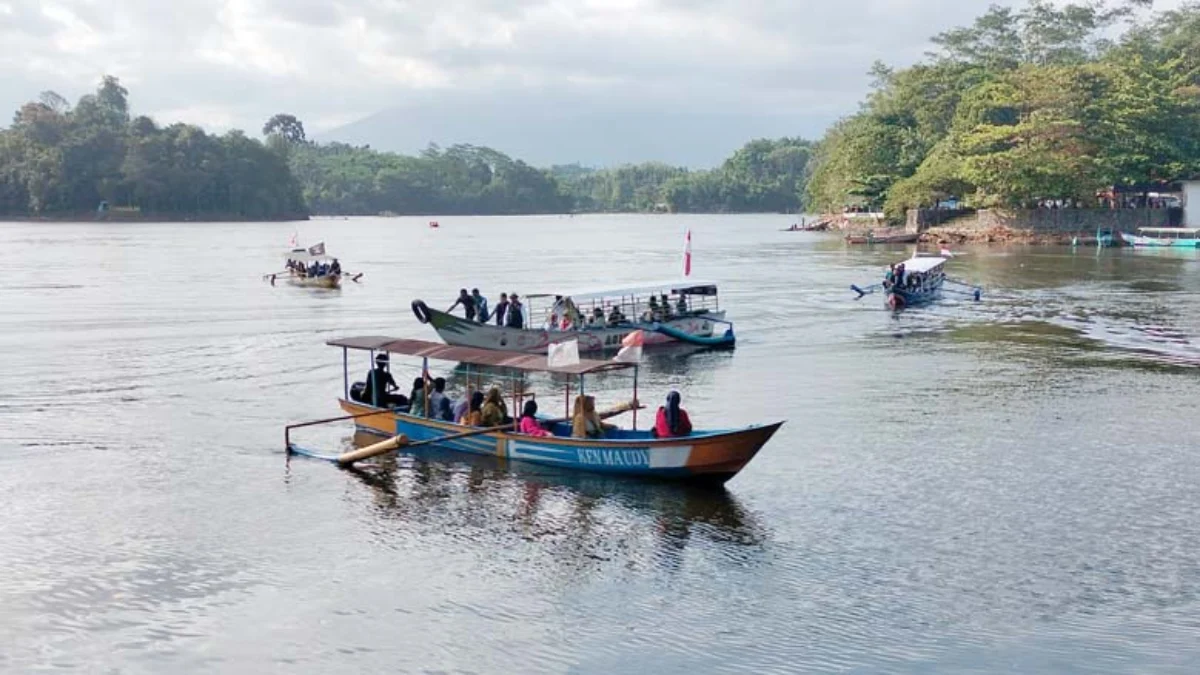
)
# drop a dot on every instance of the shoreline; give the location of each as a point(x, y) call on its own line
point(138, 217)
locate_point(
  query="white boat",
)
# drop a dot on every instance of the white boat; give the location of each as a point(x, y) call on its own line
point(305, 258)
point(1182, 237)
point(692, 315)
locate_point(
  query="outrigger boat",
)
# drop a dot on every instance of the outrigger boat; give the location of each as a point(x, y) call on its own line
point(917, 281)
point(689, 313)
point(1180, 237)
point(301, 260)
point(708, 457)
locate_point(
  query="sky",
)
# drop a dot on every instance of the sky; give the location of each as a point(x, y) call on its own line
point(552, 81)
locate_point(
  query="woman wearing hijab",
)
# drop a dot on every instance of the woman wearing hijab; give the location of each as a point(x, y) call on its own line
point(493, 413)
point(416, 399)
point(529, 424)
point(474, 415)
point(672, 420)
point(586, 423)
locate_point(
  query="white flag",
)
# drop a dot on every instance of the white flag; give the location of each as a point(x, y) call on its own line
point(562, 354)
point(631, 348)
point(317, 249)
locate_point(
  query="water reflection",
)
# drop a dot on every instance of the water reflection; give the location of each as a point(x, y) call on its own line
point(579, 518)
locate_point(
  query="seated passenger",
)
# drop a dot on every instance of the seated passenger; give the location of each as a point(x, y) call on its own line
point(651, 313)
point(493, 413)
point(672, 420)
point(416, 398)
point(529, 424)
point(681, 307)
point(664, 307)
point(586, 422)
point(474, 415)
point(439, 403)
point(380, 385)
point(615, 317)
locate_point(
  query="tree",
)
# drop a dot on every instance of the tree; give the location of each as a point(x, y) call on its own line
point(287, 126)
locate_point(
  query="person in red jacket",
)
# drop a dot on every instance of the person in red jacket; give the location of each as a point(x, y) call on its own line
point(672, 420)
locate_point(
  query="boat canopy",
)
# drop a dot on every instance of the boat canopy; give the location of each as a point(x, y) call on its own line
point(1170, 230)
point(473, 355)
point(677, 286)
point(921, 264)
point(303, 255)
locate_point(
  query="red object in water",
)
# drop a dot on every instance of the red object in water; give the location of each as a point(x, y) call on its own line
point(434, 223)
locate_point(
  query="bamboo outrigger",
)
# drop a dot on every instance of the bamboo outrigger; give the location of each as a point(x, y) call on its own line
point(710, 457)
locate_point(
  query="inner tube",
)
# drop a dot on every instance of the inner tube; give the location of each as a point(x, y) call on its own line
point(421, 311)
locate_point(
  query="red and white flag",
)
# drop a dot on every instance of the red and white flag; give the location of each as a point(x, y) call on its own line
point(946, 253)
point(687, 254)
point(631, 347)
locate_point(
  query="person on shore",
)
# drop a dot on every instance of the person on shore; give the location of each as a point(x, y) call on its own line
point(516, 314)
point(380, 386)
point(481, 306)
point(473, 417)
point(586, 422)
point(672, 420)
point(493, 413)
point(468, 305)
point(529, 424)
point(502, 310)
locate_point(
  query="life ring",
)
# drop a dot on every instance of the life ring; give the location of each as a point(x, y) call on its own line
point(421, 311)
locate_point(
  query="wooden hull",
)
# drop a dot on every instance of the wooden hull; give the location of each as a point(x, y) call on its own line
point(897, 299)
point(703, 457)
point(906, 238)
point(327, 281)
point(458, 331)
point(1138, 240)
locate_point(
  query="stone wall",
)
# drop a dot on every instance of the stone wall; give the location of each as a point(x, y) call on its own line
point(1046, 221)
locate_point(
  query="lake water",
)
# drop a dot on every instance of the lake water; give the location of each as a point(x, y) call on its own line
point(1003, 486)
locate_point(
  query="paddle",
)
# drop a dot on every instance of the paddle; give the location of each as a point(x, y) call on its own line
point(864, 291)
point(401, 441)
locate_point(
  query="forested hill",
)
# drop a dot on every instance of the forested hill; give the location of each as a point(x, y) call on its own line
point(59, 160)
point(1024, 105)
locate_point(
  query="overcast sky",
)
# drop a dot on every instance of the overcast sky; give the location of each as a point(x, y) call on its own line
point(755, 67)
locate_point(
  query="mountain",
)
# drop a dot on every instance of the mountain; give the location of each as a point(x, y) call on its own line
point(564, 129)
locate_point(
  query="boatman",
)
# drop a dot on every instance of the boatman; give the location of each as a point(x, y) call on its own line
point(380, 386)
point(467, 302)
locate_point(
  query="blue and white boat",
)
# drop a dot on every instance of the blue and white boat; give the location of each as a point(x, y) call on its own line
point(1179, 237)
point(917, 281)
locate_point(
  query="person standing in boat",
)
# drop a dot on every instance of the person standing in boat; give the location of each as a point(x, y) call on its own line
point(380, 386)
point(502, 310)
point(481, 307)
point(468, 304)
point(672, 420)
point(516, 315)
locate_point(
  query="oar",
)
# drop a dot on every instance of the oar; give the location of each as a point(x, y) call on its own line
point(401, 441)
point(864, 291)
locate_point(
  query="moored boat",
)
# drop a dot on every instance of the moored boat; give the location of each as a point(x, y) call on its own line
point(667, 312)
point(884, 238)
point(702, 456)
point(1180, 237)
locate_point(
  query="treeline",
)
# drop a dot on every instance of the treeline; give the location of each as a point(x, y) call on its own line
point(59, 159)
point(1024, 105)
point(763, 176)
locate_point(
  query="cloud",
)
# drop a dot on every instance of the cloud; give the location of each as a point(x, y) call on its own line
point(222, 63)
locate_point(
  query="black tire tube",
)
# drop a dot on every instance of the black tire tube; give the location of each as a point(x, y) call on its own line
point(421, 311)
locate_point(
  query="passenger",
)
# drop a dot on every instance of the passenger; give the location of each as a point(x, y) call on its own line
point(889, 277)
point(516, 315)
point(597, 318)
point(586, 422)
point(570, 318)
point(615, 317)
point(529, 424)
point(672, 420)
point(464, 299)
point(481, 308)
point(462, 407)
point(554, 320)
point(380, 386)
point(681, 307)
point(664, 306)
point(651, 313)
point(416, 398)
point(502, 310)
point(336, 267)
point(439, 403)
point(474, 415)
point(493, 413)
point(899, 280)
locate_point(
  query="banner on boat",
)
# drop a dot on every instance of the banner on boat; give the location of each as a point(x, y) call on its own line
point(562, 354)
point(317, 249)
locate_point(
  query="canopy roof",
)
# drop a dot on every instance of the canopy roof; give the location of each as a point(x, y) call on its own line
point(1169, 230)
point(472, 355)
point(680, 286)
point(923, 263)
point(303, 255)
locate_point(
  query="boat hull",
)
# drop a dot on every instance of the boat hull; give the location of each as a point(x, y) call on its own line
point(459, 332)
point(1143, 241)
point(906, 238)
point(703, 457)
point(899, 299)
point(326, 281)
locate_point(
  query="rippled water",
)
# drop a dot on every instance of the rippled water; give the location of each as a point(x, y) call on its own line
point(1002, 486)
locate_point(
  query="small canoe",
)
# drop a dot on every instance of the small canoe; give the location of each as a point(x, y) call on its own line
point(869, 238)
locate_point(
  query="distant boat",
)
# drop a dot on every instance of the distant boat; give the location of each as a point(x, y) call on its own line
point(434, 224)
point(891, 238)
point(1179, 237)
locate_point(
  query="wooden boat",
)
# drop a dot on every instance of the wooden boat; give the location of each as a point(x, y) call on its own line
point(709, 457)
point(884, 238)
point(1180, 237)
point(693, 316)
point(922, 282)
point(306, 257)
